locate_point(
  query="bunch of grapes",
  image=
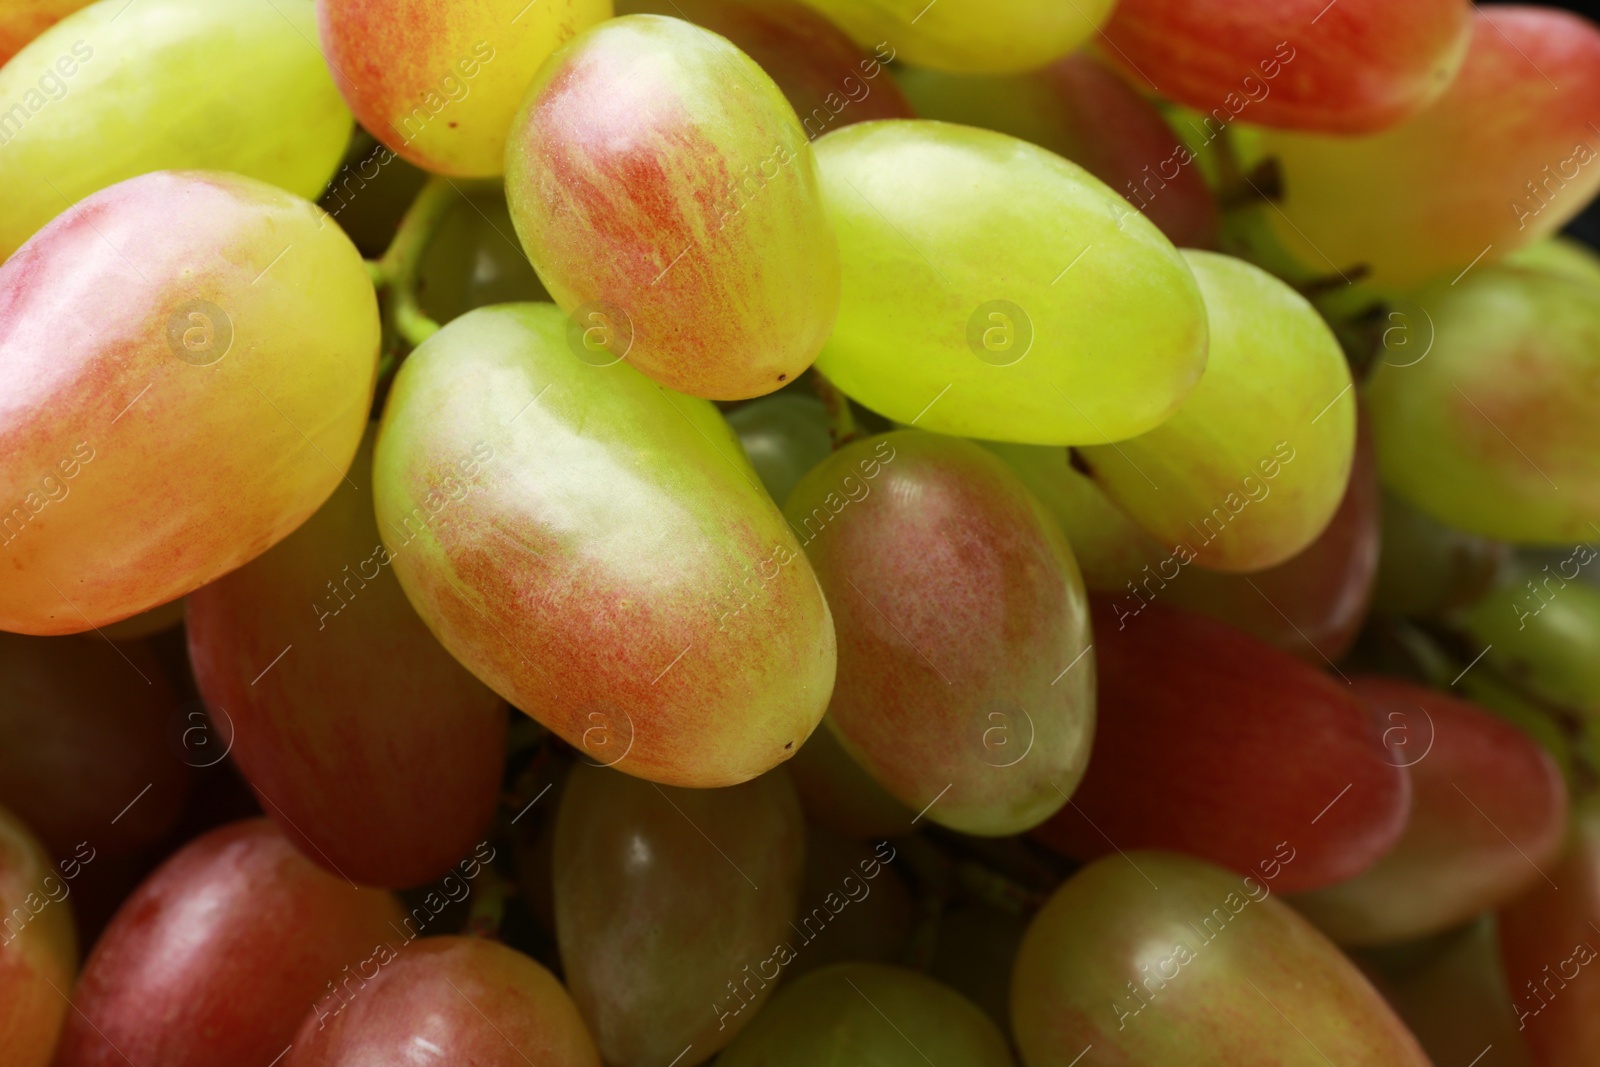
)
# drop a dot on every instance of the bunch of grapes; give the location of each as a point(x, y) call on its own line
point(799, 532)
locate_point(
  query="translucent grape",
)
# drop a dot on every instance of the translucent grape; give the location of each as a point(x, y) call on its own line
point(38, 949)
point(474, 260)
point(23, 20)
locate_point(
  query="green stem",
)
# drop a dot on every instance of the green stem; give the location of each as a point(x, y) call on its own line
point(396, 273)
point(488, 909)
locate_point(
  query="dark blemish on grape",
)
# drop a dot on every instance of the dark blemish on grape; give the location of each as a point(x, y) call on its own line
point(788, 746)
point(781, 377)
point(453, 124)
point(1078, 463)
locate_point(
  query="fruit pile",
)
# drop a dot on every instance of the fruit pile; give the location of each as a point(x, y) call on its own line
point(849, 532)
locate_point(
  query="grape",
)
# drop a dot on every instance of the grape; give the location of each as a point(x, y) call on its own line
point(1357, 66)
point(871, 1014)
point(84, 736)
point(1501, 159)
point(783, 437)
point(839, 794)
point(1079, 108)
point(370, 194)
point(1252, 467)
point(637, 178)
point(827, 79)
point(969, 36)
point(23, 20)
point(1559, 255)
point(441, 86)
point(121, 89)
point(965, 683)
point(449, 1000)
point(1161, 960)
point(993, 289)
point(1488, 808)
point(696, 884)
point(1213, 743)
point(192, 357)
point(1542, 628)
point(691, 647)
point(38, 951)
point(377, 754)
point(1493, 431)
point(1547, 943)
point(1427, 568)
point(861, 906)
point(221, 953)
point(474, 260)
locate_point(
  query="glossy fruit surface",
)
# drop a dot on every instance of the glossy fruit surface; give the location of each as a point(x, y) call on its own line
point(1251, 468)
point(995, 290)
point(1232, 751)
point(118, 90)
point(372, 749)
point(1142, 956)
point(700, 884)
point(969, 35)
point(712, 657)
point(1488, 810)
point(474, 260)
point(783, 437)
point(449, 1000)
point(191, 357)
point(440, 85)
point(664, 189)
point(38, 950)
point(965, 680)
point(1541, 628)
point(198, 968)
point(868, 1013)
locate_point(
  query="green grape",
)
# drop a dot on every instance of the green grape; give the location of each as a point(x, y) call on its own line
point(838, 793)
point(659, 180)
point(193, 356)
point(1493, 431)
point(1253, 466)
point(1426, 568)
point(1559, 255)
point(697, 886)
point(441, 85)
point(23, 20)
point(38, 949)
point(993, 289)
point(853, 906)
point(784, 436)
point(598, 551)
point(121, 89)
point(474, 260)
point(1160, 960)
point(966, 683)
point(1542, 630)
point(970, 36)
point(868, 1013)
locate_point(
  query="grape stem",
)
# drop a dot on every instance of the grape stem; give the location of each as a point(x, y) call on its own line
point(842, 427)
point(395, 275)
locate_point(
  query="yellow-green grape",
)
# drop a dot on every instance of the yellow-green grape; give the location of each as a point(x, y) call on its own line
point(1559, 255)
point(1542, 626)
point(868, 1013)
point(23, 20)
point(993, 289)
point(598, 551)
point(119, 89)
point(1493, 429)
point(189, 359)
point(969, 36)
point(664, 189)
point(474, 260)
point(1252, 467)
point(784, 436)
point(440, 82)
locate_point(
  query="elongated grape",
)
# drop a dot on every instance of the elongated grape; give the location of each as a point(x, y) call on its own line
point(993, 289)
point(1541, 627)
point(194, 970)
point(1503, 158)
point(700, 884)
point(1427, 568)
point(94, 100)
point(23, 20)
point(1141, 957)
point(970, 36)
point(1231, 751)
point(838, 793)
point(373, 750)
point(83, 735)
point(828, 80)
point(1559, 255)
point(663, 188)
point(474, 260)
point(1079, 108)
point(38, 950)
point(451, 1000)
point(1357, 67)
point(1488, 809)
point(868, 1013)
point(784, 436)
point(965, 678)
point(691, 647)
point(1493, 432)
point(192, 358)
point(1251, 469)
point(440, 87)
